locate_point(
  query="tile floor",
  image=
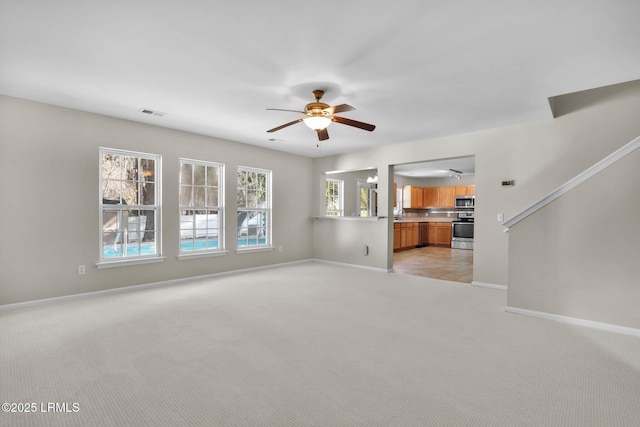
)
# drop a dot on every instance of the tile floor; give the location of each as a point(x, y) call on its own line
point(436, 262)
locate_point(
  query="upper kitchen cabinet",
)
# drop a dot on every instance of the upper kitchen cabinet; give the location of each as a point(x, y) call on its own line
point(412, 197)
point(465, 190)
point(446, 197)
point(431, 197)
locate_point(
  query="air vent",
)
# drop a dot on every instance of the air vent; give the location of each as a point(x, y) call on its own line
point(152, 112)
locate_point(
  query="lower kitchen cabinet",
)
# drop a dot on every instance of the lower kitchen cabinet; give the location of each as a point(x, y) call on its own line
point(439, 234)
point(443, 234)
point(396, 236)
point(405, 235)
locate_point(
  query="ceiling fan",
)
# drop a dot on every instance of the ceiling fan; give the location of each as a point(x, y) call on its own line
point(320, 115)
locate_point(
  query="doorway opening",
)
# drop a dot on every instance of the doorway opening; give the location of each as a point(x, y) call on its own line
point(433, 201)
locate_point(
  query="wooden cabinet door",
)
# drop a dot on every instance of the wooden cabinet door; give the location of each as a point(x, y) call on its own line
point(430, 195)
point(396, 236)
point(443, 234)
point(471, 190)
point(446, 197)
point(431, 233)
point(417, 200)
point(406, 197)
point(395, 193)
point(461, 190)
point(404, 235)
point(415, 231)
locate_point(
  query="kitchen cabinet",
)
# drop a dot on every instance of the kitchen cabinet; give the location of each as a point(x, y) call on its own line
point(446, 197)
point(405, 235)
point(430, 197)
point(465, 190)
point(431, 233)
point(443, 234)
point(396, 236)
point(412, 197)
point(433, 197)
point(439, 234)
point(395, 192)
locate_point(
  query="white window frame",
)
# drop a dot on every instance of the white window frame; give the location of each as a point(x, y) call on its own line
point(265, 228)
point(338, 185)
point(120, 210)
point(207, 207)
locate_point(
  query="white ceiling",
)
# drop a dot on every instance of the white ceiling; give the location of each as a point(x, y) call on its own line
point(417, 69)
point(437, 168)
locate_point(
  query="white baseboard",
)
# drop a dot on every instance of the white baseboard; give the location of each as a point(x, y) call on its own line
point(489, 285)
point(575, 321)
point(344, 264)
point(142, 286)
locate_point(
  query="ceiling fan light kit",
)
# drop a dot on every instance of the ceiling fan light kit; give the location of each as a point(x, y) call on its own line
point(320, 115)
point(317, 122)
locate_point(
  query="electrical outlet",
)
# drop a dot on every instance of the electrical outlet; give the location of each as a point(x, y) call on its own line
point(81, 269)
point(365, 250)
point(500, 217)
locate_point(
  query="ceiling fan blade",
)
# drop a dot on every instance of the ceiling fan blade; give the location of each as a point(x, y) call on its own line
point(322, 134)
point(285, 125)
point(339, 108)
point(281, 109)
point(354, 123)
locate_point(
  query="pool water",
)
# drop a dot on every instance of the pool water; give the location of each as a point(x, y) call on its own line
point(149, 248)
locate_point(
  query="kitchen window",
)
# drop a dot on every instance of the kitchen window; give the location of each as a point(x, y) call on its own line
point(201, 207)
point(129, 206)
point(334, 193)
point(254, 208)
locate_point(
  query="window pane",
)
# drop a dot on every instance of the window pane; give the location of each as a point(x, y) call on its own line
point(252, 180)
point(186, 198)
point(212, 196)
point(148, 196)
point(199, 175)
point(252, 199)
point(148, 169)
point(111, 191)
point(130, 192)
point(242, 198)
point(212, 175)
point(198, 196)
point(130, 168)
point(186, 171)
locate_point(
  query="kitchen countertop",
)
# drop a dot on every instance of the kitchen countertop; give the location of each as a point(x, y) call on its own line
point(423, 219)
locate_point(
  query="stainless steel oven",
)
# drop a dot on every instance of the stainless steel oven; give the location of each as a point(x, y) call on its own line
point(462, 231)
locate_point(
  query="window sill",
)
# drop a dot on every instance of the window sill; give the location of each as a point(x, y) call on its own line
point(256, 249)
point(125, 262)
point(201, 255)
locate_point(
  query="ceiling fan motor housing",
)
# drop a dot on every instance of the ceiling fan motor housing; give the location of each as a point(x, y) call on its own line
point(317, 109)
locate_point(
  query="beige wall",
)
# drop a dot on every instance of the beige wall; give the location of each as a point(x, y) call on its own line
point(538, 156)
point(578, 256)
point(49, 161)
point(49, 166)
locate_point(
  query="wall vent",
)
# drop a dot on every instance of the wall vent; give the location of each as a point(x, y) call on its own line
point(152, 112)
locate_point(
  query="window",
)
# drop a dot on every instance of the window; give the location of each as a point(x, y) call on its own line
point(367, 198)
point(254, 208)
point(201, 207)
point(334, 197)
point(129, 205)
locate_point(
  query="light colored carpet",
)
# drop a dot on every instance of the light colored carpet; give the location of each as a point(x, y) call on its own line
point(313, 344)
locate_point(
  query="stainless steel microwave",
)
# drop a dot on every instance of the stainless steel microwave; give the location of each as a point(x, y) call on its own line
point(467, 202)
